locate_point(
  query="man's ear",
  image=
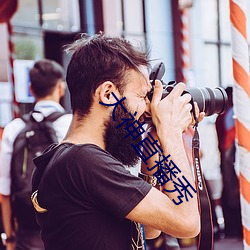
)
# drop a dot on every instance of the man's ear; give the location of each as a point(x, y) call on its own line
point(62, 88)
point(105, 92)
point(31, 90)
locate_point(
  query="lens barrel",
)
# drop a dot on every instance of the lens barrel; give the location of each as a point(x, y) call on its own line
point(210, 101)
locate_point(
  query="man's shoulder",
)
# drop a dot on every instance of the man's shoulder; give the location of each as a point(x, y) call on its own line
point(65, 117)
point(90, 150)
point(63, 120)
point(67, 156)
point(16, 122)
point(61, 125)
point(93, 155)
point(97, 160)
point(80, 151)
point(14, 127)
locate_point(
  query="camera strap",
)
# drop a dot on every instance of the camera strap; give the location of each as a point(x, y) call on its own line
point(205, 238)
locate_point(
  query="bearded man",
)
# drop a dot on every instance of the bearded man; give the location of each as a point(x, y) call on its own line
point(84, 196)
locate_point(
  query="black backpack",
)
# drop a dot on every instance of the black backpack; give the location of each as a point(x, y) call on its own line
point(37, 135)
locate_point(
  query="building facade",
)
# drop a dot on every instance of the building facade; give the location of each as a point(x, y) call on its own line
point(193, 41)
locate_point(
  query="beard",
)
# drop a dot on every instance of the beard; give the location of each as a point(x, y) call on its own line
point(118, 146)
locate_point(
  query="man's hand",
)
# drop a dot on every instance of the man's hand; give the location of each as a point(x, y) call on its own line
point(172, 114)
point(199, 115)
point(10, 246)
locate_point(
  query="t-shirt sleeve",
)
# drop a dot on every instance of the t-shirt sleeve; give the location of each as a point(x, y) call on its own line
point(107, 183)
point(10, 133)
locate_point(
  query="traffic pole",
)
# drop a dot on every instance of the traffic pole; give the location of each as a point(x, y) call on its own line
point(15, 106)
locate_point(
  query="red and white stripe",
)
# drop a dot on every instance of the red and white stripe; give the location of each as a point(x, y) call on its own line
point(185, 55)
point(11, 70)
point(241, 95)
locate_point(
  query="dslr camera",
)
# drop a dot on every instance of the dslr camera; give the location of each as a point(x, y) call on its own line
point(210, 101)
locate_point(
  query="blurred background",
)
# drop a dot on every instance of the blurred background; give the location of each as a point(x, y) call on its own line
point(192, 38)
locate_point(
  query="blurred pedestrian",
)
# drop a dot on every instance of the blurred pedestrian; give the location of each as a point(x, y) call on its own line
point(225, 126)
point(47, 85)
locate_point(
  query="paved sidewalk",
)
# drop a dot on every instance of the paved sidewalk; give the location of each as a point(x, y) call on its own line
point(223, 244)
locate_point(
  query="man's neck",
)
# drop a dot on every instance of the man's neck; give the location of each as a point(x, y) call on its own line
point(86, 131)
point(48, 98)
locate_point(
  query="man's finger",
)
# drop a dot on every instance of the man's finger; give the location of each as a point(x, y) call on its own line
point(199, 115)
point(157, 93)
point(186, 97)
point(197, 111)
point(178, 90)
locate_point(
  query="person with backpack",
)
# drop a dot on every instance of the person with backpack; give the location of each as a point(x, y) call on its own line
point(225, 126)
point(23, 139)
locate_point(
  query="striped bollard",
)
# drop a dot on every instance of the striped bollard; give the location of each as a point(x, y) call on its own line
point(241, 95)
point(185, 60)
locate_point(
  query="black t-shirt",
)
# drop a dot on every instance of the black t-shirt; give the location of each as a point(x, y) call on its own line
point(88, 194)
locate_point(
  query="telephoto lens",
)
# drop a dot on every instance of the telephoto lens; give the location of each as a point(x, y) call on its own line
point(210, 101)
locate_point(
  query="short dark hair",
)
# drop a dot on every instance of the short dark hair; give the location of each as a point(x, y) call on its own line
point(96, 59)
point(44, 76)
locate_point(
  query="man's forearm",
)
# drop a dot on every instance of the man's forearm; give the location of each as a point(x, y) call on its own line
point(171, 145)
point(174, 146)
point(7, 215)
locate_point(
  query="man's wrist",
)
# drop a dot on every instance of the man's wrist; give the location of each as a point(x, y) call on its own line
point(167, 132)
point(170, 142)
point(151, 179)
point(7, 239)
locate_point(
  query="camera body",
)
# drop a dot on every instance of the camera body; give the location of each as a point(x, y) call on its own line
point(210, 101)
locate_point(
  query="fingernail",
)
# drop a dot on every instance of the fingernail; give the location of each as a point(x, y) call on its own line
point(156, 83)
